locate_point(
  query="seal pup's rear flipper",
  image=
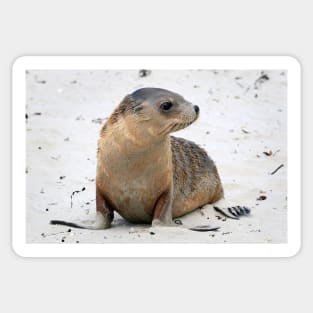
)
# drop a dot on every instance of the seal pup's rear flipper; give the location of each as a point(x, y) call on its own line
point(234, 212)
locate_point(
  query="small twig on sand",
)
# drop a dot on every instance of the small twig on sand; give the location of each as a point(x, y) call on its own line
point(73, 193)
point(144, 73)
point(53, 234)
point(276, 152)
point(260, 80)
point(278, 168)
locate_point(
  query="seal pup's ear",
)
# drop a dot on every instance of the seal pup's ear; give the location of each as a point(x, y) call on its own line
point(127, 106)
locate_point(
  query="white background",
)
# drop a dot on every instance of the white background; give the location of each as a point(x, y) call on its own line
point(163, 27)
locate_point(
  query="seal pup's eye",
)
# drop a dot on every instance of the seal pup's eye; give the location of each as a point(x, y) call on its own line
point(165, 106)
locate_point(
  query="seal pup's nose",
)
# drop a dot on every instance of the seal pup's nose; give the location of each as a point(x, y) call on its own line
point(196, 108)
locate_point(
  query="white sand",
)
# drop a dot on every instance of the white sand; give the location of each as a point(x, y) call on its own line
point(235, 127)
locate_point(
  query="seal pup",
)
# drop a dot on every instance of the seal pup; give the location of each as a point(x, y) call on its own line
point(143, 173)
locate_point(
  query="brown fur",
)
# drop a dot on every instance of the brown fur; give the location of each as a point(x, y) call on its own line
point(145, 174)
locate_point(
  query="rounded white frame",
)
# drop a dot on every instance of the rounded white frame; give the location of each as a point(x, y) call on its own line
point(24, 249)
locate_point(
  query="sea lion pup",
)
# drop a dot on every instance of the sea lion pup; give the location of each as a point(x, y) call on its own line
point(143, 173)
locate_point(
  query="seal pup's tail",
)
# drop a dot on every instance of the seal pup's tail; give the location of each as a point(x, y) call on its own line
point(99, 223)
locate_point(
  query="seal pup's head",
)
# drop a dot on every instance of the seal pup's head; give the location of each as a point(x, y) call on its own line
point(154, 112)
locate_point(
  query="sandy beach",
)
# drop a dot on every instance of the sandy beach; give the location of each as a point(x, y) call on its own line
point(242, 126)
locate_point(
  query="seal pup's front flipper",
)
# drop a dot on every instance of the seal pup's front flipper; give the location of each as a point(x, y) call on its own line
point(102, 221)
